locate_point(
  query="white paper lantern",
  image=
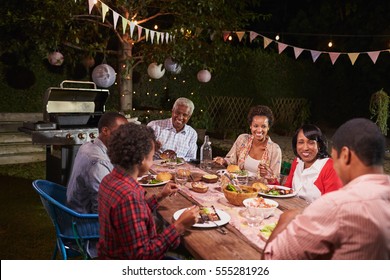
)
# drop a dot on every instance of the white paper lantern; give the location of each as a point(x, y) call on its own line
point(55, 58)
point(203, 76)
point(171, 65)
point(103, 75)
point(155, 71)
point(177, 70)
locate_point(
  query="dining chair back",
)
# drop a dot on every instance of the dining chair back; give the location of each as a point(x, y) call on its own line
point(73, 230)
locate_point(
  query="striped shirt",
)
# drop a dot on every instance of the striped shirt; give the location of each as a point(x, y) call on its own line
point(182, 142)
point(351, 223)
point(127, 227)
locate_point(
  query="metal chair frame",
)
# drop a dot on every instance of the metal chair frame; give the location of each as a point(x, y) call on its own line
point(72, 229)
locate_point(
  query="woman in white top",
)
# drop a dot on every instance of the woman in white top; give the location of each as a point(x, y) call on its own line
point(256, 152)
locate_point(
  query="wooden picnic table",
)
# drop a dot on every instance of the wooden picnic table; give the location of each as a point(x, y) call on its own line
point(240, 242)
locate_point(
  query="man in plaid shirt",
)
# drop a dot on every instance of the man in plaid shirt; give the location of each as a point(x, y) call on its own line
point(127, 226)
point(174, 133)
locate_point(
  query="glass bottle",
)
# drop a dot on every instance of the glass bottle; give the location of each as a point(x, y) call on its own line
point(206, 154)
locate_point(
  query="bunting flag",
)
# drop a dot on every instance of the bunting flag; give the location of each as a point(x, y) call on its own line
point(91, 3)
point(297, 52)
point(353, 57)
point(160, 37)
point(115, 17)
point(240, 34)
point(315, 55)
point(124, 24)
point(373, 56)
point(252, 36)
point(104, 11)
point(333, 56)
point(132, 25)
point(225, 35)
point(267, 41)
point(281, 47)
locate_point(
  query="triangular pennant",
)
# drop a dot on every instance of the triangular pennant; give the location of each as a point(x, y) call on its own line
point(252, 36)
point(167, 37)
point(315, 55)
point(353, 57)
point(240, 34)
point(373, 55)
point(147, 34)
point(132, 25)
point(225, 35)
point(104, 11)
point(124, 24)
point(162, 38)
point(115, 17)
point(333, 56)
point(281, 47)
point(158, 37)
point(139, 32)
point(152, 35)
point(91, 3)
point(297, 52)
point(267, 41)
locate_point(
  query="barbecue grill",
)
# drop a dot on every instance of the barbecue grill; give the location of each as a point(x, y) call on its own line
point(70, 117)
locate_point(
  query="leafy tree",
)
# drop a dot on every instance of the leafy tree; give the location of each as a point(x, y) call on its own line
point(31, 26)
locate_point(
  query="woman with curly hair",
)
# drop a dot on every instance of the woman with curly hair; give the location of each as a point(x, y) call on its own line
point(312, 172)
point(256, 152)
point(127, 226)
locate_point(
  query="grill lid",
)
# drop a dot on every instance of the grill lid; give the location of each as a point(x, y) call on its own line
point(74, 106)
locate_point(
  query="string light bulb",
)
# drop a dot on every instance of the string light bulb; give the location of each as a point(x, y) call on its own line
point(230, 38)
point(155, 26)
point(330, 44)
point(277, 37)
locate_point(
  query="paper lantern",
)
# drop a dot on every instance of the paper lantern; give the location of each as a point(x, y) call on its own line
point(203, 76)
point(55, 58)
point(171, 65)
point(103, 75)
point(155, 71)
point(177, 70)
point(88, 62)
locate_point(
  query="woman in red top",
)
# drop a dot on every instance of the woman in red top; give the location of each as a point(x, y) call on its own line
point(312, 173)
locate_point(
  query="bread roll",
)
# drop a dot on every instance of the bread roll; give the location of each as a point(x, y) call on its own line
point(199, 187)
point(233, 168)
point(259, 186)
point(168, 154)
point(210, 178)
point(164, 176)
point(183, 172)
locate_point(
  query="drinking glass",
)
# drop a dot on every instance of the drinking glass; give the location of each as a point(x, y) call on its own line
point(181, 176)
point(242, 179)
point(253, 217)
point(172, 161)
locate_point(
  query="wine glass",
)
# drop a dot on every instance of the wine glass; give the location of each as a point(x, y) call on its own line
point(181, 176)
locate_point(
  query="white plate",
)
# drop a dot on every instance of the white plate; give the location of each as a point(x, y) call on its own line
point(151, 185)
point(279, 196)
point(220, 172)
point(163, 162)
point(225, 218)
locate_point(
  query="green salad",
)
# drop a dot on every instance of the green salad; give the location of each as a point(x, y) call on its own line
point(267, 230)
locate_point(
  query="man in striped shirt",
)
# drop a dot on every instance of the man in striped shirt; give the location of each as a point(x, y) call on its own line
point(174, 133)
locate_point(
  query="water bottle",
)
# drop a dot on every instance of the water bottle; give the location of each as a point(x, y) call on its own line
point(206, 154)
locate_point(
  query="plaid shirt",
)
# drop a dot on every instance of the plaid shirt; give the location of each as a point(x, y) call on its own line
point(182, 142)
point(127, 227)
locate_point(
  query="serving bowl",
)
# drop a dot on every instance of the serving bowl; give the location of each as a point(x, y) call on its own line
point(260, 206)
point(237, 198)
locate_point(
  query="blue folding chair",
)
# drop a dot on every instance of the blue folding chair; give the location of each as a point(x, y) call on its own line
point(73, 230)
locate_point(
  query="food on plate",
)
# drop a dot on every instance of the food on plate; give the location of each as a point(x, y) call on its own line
point(260, 186)
point(150, 180)
point(259, 202)
point(199, 187)
point(164, 176)
point(267, 230)
point(168, 154)
point(277, 191)
point(210, 178)
point(208, 214)
point(233, 168)
point(261, 206)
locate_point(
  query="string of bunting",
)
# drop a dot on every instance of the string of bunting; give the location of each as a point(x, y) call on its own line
point(165, 36)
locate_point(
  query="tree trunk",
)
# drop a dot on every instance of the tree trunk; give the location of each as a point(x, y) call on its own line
point(126, 77)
